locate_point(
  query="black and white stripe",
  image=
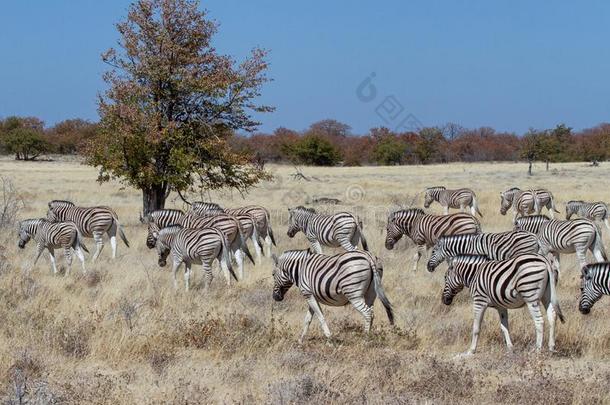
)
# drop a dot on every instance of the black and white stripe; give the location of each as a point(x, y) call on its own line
point(259, 214)
point(527, 279)
point(458, 199)
point(92, 222)
point(194, 246)
point(526, 202)
point(595, 211)
point(342, 229)
point(425, 229)
point(352, 277)
point(595, 282)
point(165, 217)
point(51, 236)
point(565, 236)
point(494, 246)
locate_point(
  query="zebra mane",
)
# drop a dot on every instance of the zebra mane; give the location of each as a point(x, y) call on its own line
point(206, 204)
point(533, 217)
point(171, 228)
point(512, 189)
point(436, 188)
point(302, 208)
point(392, 214)
point(52, 202)
point(469, 259)
point(575, 202)
point(26, 222)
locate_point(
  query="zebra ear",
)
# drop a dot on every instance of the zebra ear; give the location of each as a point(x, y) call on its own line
point(584, 271)
point(274, 258)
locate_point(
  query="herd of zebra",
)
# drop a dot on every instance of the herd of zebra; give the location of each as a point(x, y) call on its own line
point(503, 270)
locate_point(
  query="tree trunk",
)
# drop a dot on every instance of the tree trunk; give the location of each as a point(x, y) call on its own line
point(153, 198)
point(547, 165)
point(529, 170)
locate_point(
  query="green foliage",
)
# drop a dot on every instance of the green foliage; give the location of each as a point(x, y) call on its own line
point(431, 145)
point(25, 143)
point(315, 150)
point(172, 104)
point(389, 150)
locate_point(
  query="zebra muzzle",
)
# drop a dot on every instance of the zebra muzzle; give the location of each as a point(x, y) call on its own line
point(584, 310)
point(162, 263)
point(278, 297)
point(21, 244)
point(447, 300)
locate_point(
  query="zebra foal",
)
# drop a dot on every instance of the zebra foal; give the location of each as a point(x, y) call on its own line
point(526, 280)
point(425, 229)
point(51, 236)
point(459, 199)
point(92, 222)
point(494, 246)
point(351, 277)
point(595, 211)
point(335, 230)
point(194, 246)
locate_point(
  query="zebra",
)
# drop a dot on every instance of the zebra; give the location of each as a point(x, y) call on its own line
point(50, 236)
point(227, 224)
point(595, 211)
point(595, 282)
point(528, 279)
point(460, 198)
point(246, 221)
point(565, 236)
point(92, 222)
point(341, 229)
point(164, 217)
point(259, 213)
point(194, 246)
point(525, 202)
point(495, 246)
point(351, 277)
point(425, 229)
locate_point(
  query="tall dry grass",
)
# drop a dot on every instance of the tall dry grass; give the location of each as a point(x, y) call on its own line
point(121, 334)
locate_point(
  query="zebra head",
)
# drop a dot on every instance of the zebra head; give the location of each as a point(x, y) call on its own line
point(506, 199)
point(590, 287)
point(152, 235)
point(298, 219)
point(163, 241)
point(459, 275)
point(437, 256)
point(572, 208)
point(27, 228)
point(432, 195)
point(399, 223)
point(282, 280)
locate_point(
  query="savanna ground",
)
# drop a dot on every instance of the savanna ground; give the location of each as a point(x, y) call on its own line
point(121, 334)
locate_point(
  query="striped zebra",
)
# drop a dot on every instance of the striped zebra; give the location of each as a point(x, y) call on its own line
point(425, 229)
point(570, 236)
point(460, 198)
point(92, 222)
point(51, 236)
point(527, 279)
point(227, 224)
point(595, 211)
point(342, 229)
point(351, 277)
point(164, 217)
point(194, 246)
point(494, 246)
point(526, 202)
point(259, 213)
point(247, 222)
point(595, 282)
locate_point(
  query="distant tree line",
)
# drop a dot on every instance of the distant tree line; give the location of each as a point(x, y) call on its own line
point(330, 143)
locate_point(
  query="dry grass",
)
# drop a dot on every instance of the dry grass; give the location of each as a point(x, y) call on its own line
point(121, 334)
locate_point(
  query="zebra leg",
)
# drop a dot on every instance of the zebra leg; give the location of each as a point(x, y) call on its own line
point(418, 254)
point(606, 223)
point(52, 257)
point(68, 257)
point(503, 312)
point(581, 254)
point(306, 323)
point(479, 311)
point(596, 253)
point(367, 312)
point(99, 245)
point(207, 275)
point(175, 267)
point(239, 259)
point(534, 308)
point(81, 257)
point(314, 306)
point(187, 275)
point(268, 245)
point(224, 267)
point(40, 250)
point(551, 316)
point(446, 210)
point(257, 249)
point(316, 246)
point(112, 236)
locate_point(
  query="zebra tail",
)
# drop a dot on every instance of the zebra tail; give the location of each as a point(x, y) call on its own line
point(78, 241)
point(599, 243)
point(121, 232)
point(553, 287)
point(377, 270)
point(269, 230)
point(476, 206)
point(536, 202)
point(255, 236)
point(243, 244)
point(365, 245)
point(226, 254)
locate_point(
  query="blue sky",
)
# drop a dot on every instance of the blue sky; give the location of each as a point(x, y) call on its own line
point(509, 65)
